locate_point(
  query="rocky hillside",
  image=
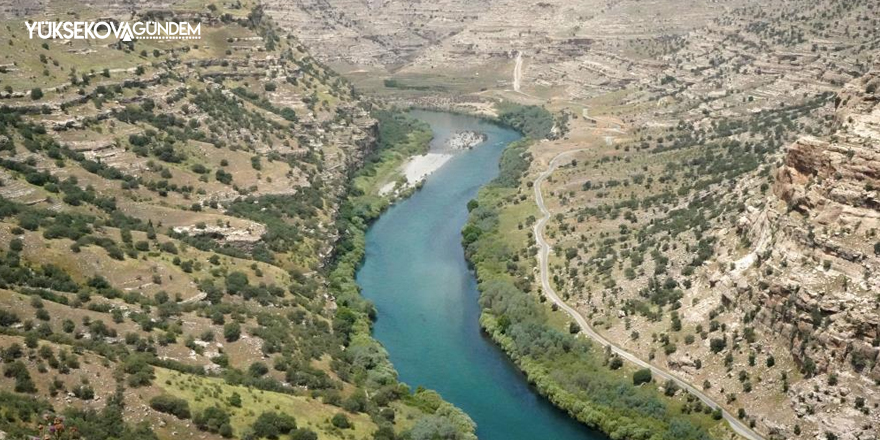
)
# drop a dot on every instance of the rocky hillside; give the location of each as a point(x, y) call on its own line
point(736, 261)
point(668, 49)
point(474, 32)
point(685, 228)
point(813, 280)
point(168, 217)
point(828, 233)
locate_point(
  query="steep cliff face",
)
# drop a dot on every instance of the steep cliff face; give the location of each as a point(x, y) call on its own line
point(826, 239)
point(812, 278)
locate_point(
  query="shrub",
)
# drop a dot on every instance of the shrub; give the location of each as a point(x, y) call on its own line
point(236, 282)
point(258, 369)
point(8, 319)
point(16, 245)
point(171, 405)
point(226, 430)
point(356, 403)
point(139, 370)
point(670, 388)
point(341, 421)
point(271, 425)
point(212, 419)
point(235, 400)
point(642, 376)
point(232, 331)
point(23, 382)
point(223, 177)
point(615, 363)
point(303, 434)
point(168, 247)
point(717, 344)
point(84, 392)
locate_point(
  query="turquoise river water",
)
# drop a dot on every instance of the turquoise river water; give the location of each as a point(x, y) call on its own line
point(428, 319)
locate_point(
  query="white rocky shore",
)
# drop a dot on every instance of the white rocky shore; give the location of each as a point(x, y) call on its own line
point(417, 169)
point(466, 140)
point(420, 167)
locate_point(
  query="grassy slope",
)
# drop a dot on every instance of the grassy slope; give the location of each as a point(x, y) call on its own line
point(209, 391)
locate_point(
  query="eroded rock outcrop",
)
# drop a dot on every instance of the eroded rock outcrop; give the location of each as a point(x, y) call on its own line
point(815, 278)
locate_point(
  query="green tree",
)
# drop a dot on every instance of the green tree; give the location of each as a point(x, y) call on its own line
point(211, 419)
point(642, 376)
point(236, 282)
point(271, 425)
point(235, 400)
point(171, 405)
point(670, 388)
point(232, 331)
point(341, 421)
point(303, 434)
point(717, 344)
point(615, 363)
point(258, 369)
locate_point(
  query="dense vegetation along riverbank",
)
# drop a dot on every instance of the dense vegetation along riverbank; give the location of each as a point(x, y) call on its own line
point(571, 372)
point(530, 120)
point(400, 137)
point(426, 296)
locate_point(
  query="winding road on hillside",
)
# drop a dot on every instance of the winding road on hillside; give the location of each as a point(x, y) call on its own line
point(543, 263)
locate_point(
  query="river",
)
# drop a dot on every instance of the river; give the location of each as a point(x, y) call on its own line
point(428, 315)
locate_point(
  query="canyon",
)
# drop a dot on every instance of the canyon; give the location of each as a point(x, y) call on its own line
point(716, 214)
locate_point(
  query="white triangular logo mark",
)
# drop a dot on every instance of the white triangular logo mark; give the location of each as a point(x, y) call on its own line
point(126, 32)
